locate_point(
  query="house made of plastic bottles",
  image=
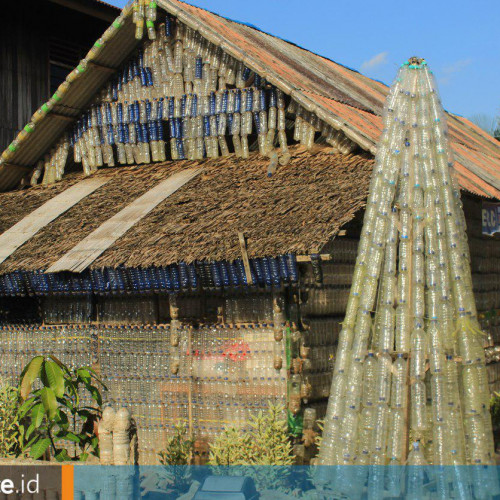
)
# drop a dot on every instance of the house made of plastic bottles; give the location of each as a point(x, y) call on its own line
point(183, 215)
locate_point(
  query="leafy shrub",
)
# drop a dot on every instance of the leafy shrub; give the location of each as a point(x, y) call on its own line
point(176, 456)
point(53, 413)
point(9, 431)
point(179, 448)
point(266, 444)
point(495, 410)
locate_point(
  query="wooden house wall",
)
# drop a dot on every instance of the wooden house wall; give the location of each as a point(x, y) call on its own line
point(24, 56)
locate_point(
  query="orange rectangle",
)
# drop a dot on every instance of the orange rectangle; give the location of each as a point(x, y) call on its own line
point(67, 480)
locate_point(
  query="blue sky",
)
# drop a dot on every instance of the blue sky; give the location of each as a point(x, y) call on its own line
point(458, 38)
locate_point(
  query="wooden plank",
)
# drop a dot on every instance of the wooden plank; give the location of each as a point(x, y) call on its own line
point(307, 258)
point(246, 261)
point(26, 228)
point(97, 242)
point(11, 166)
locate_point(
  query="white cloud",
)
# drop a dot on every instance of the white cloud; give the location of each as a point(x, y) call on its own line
point(376, 61)
point(448, 71)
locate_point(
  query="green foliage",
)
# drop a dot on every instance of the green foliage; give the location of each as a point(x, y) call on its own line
point(50, 414)
point(176, 455)
point(319, 437)
point(179, 449)
point(495, 410)
point(267, 443)
point(9, 431)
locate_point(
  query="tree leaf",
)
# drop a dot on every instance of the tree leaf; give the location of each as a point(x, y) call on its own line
point(37, 414)
point(60, 364)
point(30, 373)
point(39, 448)
point(30, 430)
point(25, 408)
point(62, 456)
point(84, 374)
point(62, 419)
point(55, 377)
point(95, 393)
point(69, 436)
point(49, 402)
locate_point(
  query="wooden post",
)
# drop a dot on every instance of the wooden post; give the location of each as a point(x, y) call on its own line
point(190, 384)
point(246, 260)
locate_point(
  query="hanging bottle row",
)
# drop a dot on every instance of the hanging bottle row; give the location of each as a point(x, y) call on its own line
point(267, 272)
point(181, 97)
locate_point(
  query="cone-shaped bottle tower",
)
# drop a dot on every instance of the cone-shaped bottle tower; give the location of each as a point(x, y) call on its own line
point(410, 362)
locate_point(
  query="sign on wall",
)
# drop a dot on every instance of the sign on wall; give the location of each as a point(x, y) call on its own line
point(491, 218)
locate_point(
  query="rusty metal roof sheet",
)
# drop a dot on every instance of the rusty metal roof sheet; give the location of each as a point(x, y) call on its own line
point(341, 96)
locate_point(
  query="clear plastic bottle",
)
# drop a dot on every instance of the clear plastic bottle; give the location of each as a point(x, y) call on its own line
point(399, 391)
point(419, 420)
point(396, 441)
point(354, 385)
point(379, 435)
point(383, 378)
point(369, 380)
point(472, 396)
point(419, 354)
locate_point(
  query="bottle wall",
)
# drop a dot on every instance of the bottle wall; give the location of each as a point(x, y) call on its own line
point(208, 376)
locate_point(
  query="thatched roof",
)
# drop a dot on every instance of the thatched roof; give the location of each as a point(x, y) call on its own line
point(339, 96)
point(298, 210)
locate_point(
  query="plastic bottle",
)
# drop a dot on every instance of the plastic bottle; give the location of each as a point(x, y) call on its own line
point(419, 354)
point(399, 391)
point(369, 380)
point(383, 378)
point(379, 434)
point(418, 401)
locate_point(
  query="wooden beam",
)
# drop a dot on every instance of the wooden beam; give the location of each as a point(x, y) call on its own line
point(63, 117)
point(246, 260)
point(106, 69)
point(101, 11)
point(12, 166)
point(307, 258)
point(26, 228)
point(97, 242)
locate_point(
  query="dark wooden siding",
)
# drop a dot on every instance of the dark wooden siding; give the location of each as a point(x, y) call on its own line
point(24, 55)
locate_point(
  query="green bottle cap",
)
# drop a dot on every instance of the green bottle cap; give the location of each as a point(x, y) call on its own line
point(150, 24)
point(12, 147)
point(117, 24)
point(28, 128)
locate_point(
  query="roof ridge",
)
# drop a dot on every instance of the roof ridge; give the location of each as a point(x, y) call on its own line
point(338, 100)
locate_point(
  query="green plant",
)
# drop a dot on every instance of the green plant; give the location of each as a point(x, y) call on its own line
point(9, 430)
point(176, 456)
point(267, 443)
point(179, 448)
point(54, 412)
point(495, 410)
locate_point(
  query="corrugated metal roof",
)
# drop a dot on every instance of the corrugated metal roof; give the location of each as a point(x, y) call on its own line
point(342, 97)
point(349, 97)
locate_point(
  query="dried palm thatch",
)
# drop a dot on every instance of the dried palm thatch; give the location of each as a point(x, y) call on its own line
point(299, 209)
